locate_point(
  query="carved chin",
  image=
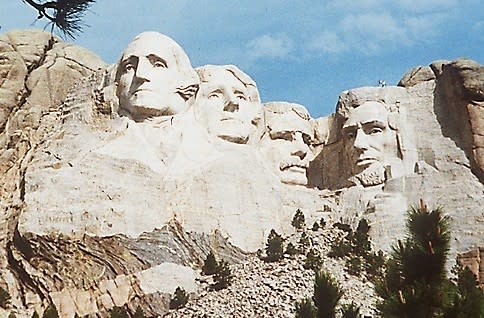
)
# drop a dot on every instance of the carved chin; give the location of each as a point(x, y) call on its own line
point(294, 175)
point(372, 175)
point(148, 103)
point(233, 132)
point(234, 139)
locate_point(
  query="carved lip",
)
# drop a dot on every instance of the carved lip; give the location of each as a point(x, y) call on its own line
point(366, 161)
point(298, 168)
point(230, 118)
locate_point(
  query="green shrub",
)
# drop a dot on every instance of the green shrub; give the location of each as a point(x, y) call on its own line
point(305, 309)
point(50, 312)
point(298, 221)
point(209, 264)
point(327, 293)
point(313, 260)
point(119, 312)
point(304, 243)
point(139, 313)
point(4, 298)
point(354, 265)
point(350, 311)
point(291, 249)
point(274, 247)
point(223, 276)
point(322, 223)
point(315, 226)
point(467, 299)
point(180, 298)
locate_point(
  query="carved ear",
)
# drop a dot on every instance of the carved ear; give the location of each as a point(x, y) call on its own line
point(393, 121)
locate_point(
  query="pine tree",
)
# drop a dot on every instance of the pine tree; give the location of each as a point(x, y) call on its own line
point(291, 249)
point(223, 276)
point(119, 312)
point(415, 283)
point(209, 265)
point(66, 15)
point(180, 298)
point(468, 298)
point(327, 293)
point(50, 312)
point(315, 226)
point(4, 297)
point(298, 221)
point(139, 313)
point(35, 315)
point(274, 247)
point(305, 309)
point(304, 243)
point(350, 311)
point(313, 260)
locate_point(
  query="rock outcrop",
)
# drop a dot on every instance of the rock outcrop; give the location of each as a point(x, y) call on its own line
point(114, 191)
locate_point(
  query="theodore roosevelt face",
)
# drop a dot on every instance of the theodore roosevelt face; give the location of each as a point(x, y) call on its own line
point(286, 142)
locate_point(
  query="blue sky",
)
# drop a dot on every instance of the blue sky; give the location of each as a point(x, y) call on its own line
point(299, 51)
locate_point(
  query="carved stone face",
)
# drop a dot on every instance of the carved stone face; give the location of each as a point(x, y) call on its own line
point(155, 77)
point(369, 142)
point(225, 106)
point(285, 144)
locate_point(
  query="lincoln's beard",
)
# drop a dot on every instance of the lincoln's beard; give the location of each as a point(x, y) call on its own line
point(371, 176)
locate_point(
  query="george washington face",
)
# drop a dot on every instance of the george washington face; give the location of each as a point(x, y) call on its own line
point(155, 77)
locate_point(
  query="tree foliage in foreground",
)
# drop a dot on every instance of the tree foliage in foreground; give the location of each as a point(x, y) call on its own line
point(66, 15)
point(415, 284)
point(326, 295)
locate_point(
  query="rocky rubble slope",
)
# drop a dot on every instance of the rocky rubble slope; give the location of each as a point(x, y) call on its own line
point(271, 289)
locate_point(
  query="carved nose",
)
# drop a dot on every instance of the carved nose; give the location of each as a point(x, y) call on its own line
point(361, 141)
point(231, 106)
point(300, 148)
point(142, 71)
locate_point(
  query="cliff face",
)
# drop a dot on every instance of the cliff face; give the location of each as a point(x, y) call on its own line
point(103, 207)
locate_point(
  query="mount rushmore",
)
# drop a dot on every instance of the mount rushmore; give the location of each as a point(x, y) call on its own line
point(117, 180)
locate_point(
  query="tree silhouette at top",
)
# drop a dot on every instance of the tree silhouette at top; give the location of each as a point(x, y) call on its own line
point(66, 15)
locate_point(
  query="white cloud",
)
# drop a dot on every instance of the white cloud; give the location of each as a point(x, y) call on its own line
point(327, 42)
point(423, 27)
point(353, 5)
point(275, 46)
point(373, 26)
point(427, 5)
point(478, 28)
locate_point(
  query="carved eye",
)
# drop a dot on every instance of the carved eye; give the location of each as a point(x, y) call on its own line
point(350, 134)
point(306, 138)
point(375, 130)
point(128, 67)
point(215, 95)
point(240, 96)
point(159, 64)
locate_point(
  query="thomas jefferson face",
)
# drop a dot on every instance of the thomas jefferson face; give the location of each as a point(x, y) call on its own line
point(369, 142)
point(286, 144)
point(155, 77)
point(224, 106)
